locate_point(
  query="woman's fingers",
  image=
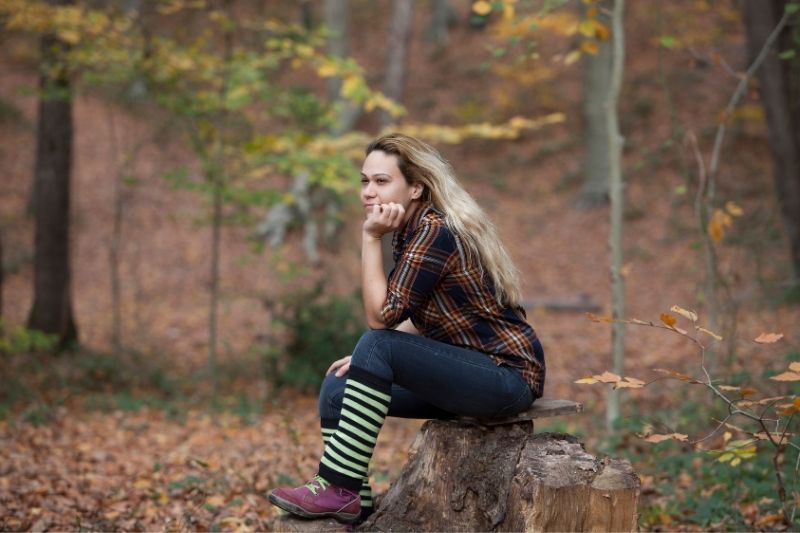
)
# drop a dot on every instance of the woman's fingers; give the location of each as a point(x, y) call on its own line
point(338, 364)
point(343, 369)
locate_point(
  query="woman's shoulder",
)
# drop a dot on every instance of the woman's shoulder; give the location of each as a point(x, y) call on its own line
point(433, 228)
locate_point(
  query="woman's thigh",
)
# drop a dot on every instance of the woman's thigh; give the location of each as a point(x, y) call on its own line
point(456, 380)
point(404, 403)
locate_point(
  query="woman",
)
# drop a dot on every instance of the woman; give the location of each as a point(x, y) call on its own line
point(448, 336)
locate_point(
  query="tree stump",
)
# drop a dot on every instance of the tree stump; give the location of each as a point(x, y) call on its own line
point(464, 475)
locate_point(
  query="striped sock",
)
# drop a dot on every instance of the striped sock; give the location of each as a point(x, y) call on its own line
point(345, 461)
point(367, 496)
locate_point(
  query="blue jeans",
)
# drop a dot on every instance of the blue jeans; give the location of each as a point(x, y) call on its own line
point(431, 379)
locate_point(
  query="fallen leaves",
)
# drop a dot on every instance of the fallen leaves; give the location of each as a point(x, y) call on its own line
point(143, 471)
point(609, 377)
point(655, 438)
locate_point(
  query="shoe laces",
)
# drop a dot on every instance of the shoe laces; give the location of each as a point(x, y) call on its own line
point(318, 483)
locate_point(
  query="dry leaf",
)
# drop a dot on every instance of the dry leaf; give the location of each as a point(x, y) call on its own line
point(217, 500)
point(711, 333)
point(595, 318)
point(672, 436)
point(733, 209)
point(787, 376)
point(768, 338)
point(608, 377)
point(588, 380)
point(630, 383)
point(728, 388)
point(678, 375)
point(691, 315)
point(794, 366)
point(668, 319)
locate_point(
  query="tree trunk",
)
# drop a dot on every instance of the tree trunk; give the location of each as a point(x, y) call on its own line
point(337, 20)
point(52, 305)
point(617, 196)
point(397, 57)
point(502, 478)
point(596, 82)
point(779, 81)
point(442, 16)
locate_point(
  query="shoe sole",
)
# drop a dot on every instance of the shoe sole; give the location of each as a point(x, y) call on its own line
point(299, 511)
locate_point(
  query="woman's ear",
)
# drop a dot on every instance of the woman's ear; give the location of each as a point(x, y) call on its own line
point(416, 190)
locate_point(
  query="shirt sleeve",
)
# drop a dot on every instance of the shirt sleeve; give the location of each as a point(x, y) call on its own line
point(419, 269)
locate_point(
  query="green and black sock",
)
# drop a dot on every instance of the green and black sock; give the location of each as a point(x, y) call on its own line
point(367, 505)
point(348, 451)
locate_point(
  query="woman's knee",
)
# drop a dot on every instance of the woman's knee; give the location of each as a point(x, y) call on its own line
point(371, 343)
point(331, 394)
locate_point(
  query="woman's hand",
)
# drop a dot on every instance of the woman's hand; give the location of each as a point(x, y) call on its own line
point(383, 219)
point(340, 366)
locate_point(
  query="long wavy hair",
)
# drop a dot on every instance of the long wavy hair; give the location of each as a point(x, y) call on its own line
point(421, 163)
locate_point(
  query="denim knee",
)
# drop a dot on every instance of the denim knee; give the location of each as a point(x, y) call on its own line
point(368, 343)
point(331, 395)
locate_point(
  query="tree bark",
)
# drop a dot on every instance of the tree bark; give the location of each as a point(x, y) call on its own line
point(504, 478)
point(337, 20)
point(52, 305)
point(596, 82)
point(397, 57)
point(617, 196)
point(779, 81)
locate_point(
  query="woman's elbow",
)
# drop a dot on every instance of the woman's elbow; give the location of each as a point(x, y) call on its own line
point(375, 322)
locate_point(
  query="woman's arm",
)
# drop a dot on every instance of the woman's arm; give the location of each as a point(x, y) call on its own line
point(383, 219)
point(373, 280)
point(407, 326)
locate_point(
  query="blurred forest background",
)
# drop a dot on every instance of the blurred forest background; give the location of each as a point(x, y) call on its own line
point(179, 234)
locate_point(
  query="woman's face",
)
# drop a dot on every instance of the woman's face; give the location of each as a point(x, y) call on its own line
point(382, 182)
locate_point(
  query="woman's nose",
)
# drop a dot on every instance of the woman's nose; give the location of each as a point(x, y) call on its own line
point(369, 190)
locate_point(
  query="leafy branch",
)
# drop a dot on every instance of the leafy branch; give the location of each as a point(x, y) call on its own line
point(773, 429)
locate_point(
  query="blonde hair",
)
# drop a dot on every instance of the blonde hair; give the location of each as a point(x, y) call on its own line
point(421, 163)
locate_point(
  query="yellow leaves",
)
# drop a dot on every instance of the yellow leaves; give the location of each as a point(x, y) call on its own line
point(735, 451)
point(721, 219)
point(481, 8)
point(453, 135)
point(590, 47)
point(716, 226)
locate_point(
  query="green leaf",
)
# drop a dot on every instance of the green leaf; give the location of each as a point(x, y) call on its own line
point(788, 54)
point(792, 8)
point(667, 41)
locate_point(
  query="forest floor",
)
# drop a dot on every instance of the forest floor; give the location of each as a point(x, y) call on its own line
point(83, 445)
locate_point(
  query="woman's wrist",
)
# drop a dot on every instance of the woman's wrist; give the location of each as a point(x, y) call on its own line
point(366, 236)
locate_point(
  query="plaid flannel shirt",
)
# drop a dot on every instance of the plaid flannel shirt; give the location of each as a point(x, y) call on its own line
point(449, 299)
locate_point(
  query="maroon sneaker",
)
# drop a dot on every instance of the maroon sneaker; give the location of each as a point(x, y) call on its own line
point(317, 499)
